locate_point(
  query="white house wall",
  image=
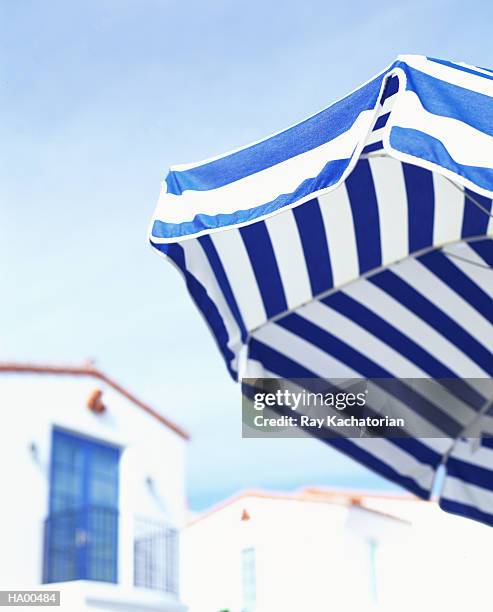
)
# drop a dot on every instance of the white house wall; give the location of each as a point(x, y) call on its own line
point(314, 555)
point(309, 555)
point(31, 406)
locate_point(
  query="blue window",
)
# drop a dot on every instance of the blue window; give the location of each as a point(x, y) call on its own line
point(81, 531)
point(373, 546)
point(249, 579)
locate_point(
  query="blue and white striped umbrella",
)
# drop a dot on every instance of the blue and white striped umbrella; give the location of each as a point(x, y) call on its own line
point(358, 243)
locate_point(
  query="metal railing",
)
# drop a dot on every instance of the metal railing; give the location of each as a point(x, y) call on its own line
point(83, 544)
point(155, 556)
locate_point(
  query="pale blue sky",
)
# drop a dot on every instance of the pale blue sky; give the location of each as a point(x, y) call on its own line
point(98, 97)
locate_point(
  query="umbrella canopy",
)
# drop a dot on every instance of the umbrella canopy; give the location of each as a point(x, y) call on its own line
point(358, 243)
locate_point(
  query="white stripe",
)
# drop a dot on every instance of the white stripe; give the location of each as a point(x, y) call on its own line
point(387, 105)
point(197, 264)
point(450, 75)
point(339, 228)
point(290, 259)
point(382, 73)
point(446, 299)
point(375, 136)
point(466, 493)
point(449, 210)
point(415, 328)
point(466, 145)
point(372, 347)
point(484, 71)
point(380, 353)
point(303, 352)
point(234, 257)
point(403, 463)
point(355, 336)
point(480, 457)
point(328, 366)
point(255, 369)
point(390, 189)
point(460, 255)
point(263, 186)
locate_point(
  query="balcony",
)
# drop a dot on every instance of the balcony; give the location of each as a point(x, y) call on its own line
point(95, 543)
point(155, 556)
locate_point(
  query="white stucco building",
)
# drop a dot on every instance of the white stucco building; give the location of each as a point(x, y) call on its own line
point(93, 491)
point(268, 552)
point(319, 550)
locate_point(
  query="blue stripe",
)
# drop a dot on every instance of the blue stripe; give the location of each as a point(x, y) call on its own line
point(448, 100)
point(207, 307)
point(420, 206)
point(391, 87)
point(283, 366)
point(468, 472)
point(367, 368)
point(475, 220)
point(223, 282)
point(277, 362)
point(421, 405)
point(387, 333)
point(331, 344)
point(418, 449)
point(307, 135)
point(466, 393)
point(261, 254)
point(310, 225)
point(330, 174)
point(378, 327)
point(484, 248)
point(381, 122)
point(466, 511)
point(442, 267)
point(436, 318)
point(459, 67)
point(461, 388)
point(420, 145)
point(376, 146)
point(363, 200)
point(391, 386)
point(349, 448)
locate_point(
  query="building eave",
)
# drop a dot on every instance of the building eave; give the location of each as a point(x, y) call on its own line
point(340, 497)
point(91, 371)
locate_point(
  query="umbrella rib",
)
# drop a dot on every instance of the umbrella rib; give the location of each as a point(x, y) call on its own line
point(459, 187)
point(487, 405)
point(469, 261)
point(470, 198)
